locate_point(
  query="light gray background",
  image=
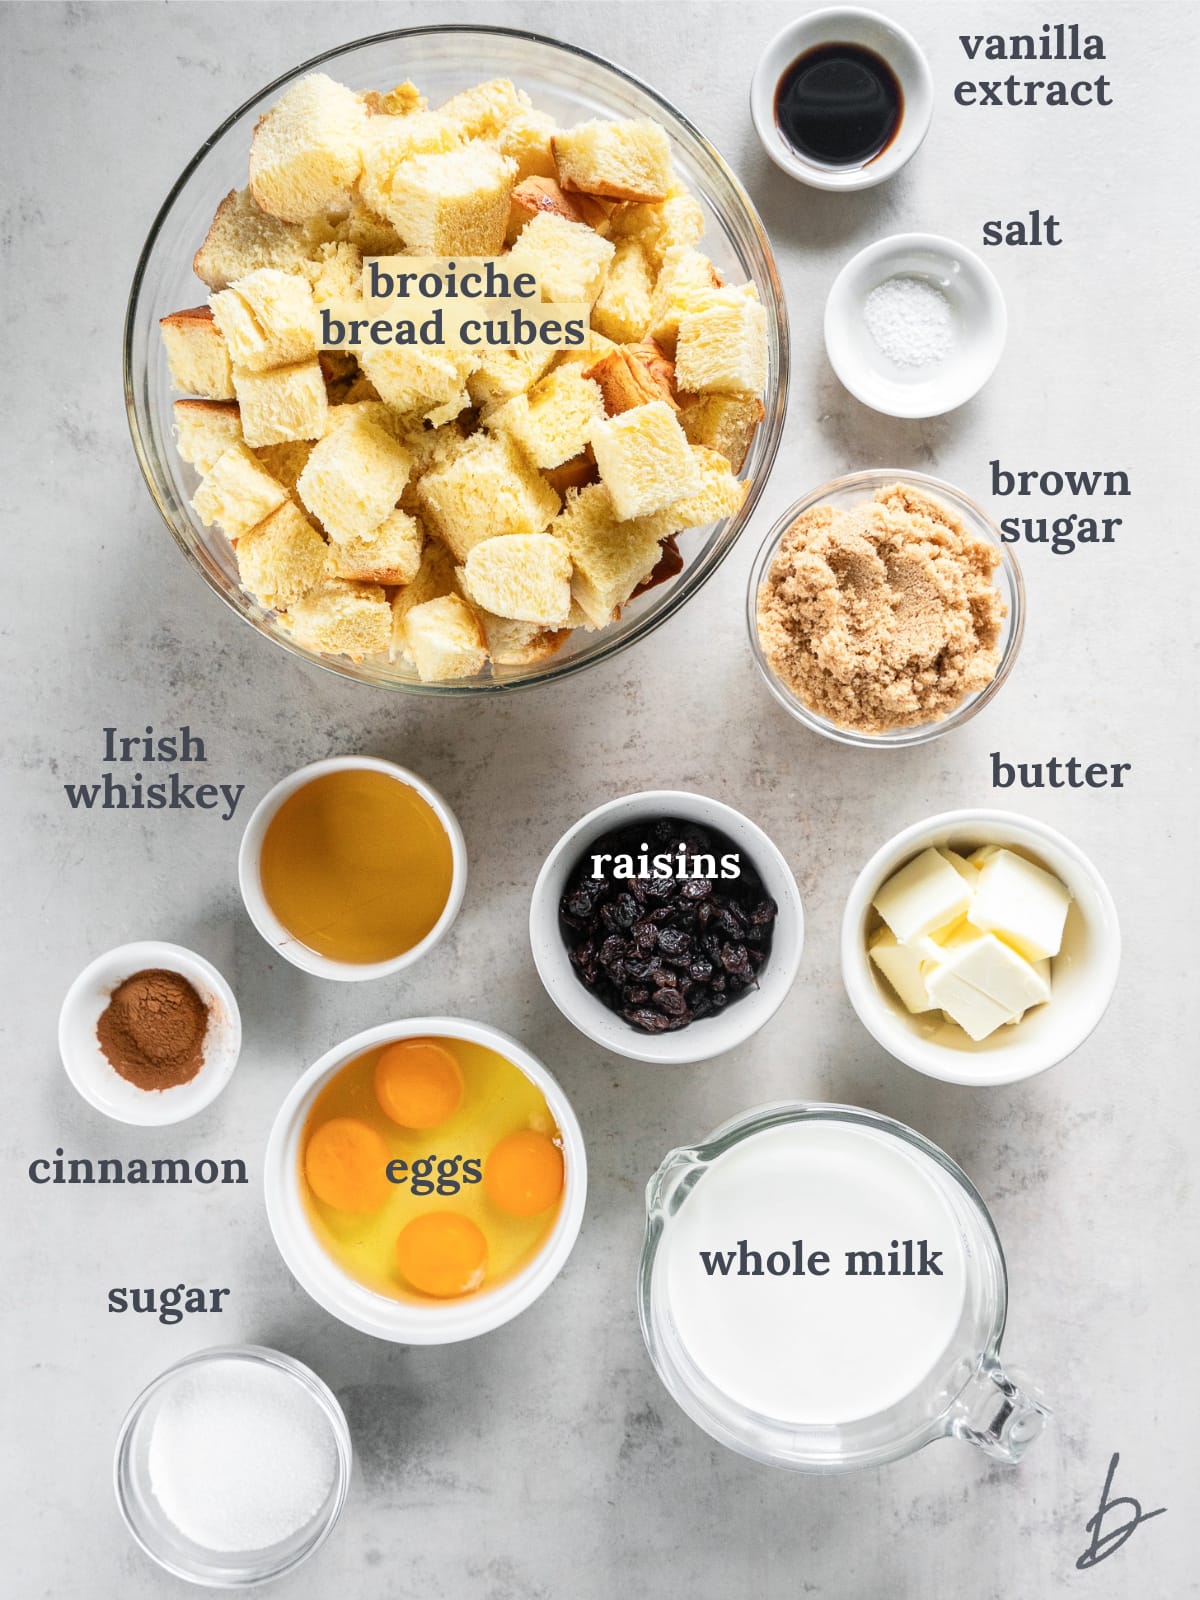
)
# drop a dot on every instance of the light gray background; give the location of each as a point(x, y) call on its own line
point(546, 1460)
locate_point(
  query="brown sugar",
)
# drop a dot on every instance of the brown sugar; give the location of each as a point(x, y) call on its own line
point(153, 1029)
point(884, 615)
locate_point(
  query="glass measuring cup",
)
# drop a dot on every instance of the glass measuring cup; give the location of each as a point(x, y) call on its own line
point(897, 1366)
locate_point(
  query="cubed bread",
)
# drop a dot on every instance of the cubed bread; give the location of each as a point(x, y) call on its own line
point(389, 141)
point(282, 557)
point(401, 101)
point(622, 309)
point(674, 222)
point(536, 194)
point(197, 355)
point(483, 111)
point(335, 276)
point(524, 576)
point(342, 619)
point(724, 422)
point(237, 492)
point(354, 478)
point(644, 459)
point(436, 576)
point(366, 230)
point(527, 139)
point(484, 489)
point(720, 493)
point(285, 462)
point(722, 349)
point(375, 411)
point(622, 160)
point(568, 260)
point(267, 319)
point(519, 644)
point(502, 373)
point(414, 380)
point(610, 557)
point(453, 203)
point(633, 375)
point(685, 283)
point(390, 556)
point(243, 237)
point(553, 421)
point(204, 430)
point(283, 404)
point(307, 151)
point(444, 639)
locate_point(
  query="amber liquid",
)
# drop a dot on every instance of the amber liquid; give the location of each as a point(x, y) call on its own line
point(357, 866)
point(839, 104)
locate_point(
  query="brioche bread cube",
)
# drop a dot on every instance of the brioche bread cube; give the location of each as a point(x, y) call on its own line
point(204, 430)
point(443, 639)
point(483, 111)
point(609, 557)
point(401, 101)
point(484, 489)
point(523, 576)
point(644, 459)
point(686, 282)
point(282, 557)
point(720, 493)
point(243, 237)
point(236, 492)
point(568, 260)
point(284, 404)
point(503, 373)
point(374, 410)
point(622, 309)
point(353, 478)
point(197, 355)
point(390, 556)
point(267, 319)
point(527, 139)
point(365, 229)
point(415, 380)
point(724, 422)
point(518, 644)
point(632, 375)
point(307, 151)
point(334, 274)
point(623, 160)
point(675, 221)
point(552, 422)
point(389, 141)
point(723, 348)
point(285, 462)
point(452, 203)
point(436, 576)
point(337, 618)
point(540, 193)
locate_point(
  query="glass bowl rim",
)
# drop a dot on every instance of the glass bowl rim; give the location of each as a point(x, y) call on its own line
point(691, 580)
point(918, 733)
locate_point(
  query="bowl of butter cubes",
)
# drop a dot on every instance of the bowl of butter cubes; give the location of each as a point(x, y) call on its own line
point(436, 512)
point(980, 947)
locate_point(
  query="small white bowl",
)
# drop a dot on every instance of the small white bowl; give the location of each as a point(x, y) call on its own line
point(1084, 973)
point(977, 311)
point(89, 1068)
point(269, 925)
point(708, 1036)
point(844, 25)
point(353, 1303)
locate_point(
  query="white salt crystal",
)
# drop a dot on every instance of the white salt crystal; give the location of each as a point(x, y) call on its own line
point(241, 1456)
point(910, 320)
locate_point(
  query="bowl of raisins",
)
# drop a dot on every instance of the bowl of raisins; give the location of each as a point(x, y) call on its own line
point(666, 926)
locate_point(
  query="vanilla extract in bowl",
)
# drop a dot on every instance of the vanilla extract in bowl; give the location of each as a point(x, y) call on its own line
point(839, 104)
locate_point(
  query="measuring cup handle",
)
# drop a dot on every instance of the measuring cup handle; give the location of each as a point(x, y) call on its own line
point(999, 1415)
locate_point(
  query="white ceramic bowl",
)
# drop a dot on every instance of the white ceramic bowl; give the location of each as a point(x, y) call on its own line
point(711, 1035)
point(977, 311)
point(90, 1070)
point(844, 25)
point(1084, 972)
point(269, 925)
point(353, 1303)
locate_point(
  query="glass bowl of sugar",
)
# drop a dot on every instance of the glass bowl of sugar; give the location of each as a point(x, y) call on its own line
point(232, 1467)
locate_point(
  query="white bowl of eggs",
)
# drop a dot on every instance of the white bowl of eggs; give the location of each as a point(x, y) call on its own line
point(425, 1180)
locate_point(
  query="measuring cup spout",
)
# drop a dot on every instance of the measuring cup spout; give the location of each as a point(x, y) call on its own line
point(1000, 1415)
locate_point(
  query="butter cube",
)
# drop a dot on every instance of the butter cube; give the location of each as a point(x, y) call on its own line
point(901, 966)
point(1042, 968)
point(976, 1013)
point(933, 946)
point(1024, 904)
point(967, 870)
point(995, 969)
point(923, 896)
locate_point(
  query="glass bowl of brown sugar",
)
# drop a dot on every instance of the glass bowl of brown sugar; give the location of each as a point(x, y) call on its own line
point(885, 609)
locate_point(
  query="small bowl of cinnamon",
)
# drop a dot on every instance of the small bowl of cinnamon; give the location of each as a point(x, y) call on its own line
point(149, 1033)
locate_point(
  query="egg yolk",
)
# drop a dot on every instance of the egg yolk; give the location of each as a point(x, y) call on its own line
point(418, 1083)
point(345, 1163)
point(524, 1173)
point(442, 1254)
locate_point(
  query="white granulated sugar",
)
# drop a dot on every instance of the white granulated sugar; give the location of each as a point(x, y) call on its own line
point(241, 1456)
point(910, 320)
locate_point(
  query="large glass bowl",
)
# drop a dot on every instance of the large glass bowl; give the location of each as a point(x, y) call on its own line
point(572, 85)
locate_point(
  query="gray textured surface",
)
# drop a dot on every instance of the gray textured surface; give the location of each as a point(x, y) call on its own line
point(545, 1460)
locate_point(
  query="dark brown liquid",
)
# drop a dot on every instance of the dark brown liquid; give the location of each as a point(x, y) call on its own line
point(839, 104)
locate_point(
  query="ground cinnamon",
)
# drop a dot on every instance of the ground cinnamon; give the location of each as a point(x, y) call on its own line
point(152, 1031)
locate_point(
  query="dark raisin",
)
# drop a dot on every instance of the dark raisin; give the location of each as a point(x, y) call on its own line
point(764, 913)
point(701, 971)
point(664, 978)
point(635, 997)
point(670, 1001)
point(643, 1017)
point(696, 889)
point(674, 942)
